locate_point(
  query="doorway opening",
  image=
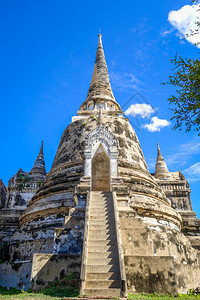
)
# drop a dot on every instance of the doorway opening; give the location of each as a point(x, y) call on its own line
point(101, 170)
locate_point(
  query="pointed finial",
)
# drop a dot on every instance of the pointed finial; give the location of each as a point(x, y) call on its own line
point(41, 148)
point(39, 165)
point(161, 170)
point(100, 88)
point(100, 35)
point(159, 155)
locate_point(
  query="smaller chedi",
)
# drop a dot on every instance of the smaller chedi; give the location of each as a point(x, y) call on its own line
point(177, 189)
point(14, 200)
point(3, 191)
point(98, 212)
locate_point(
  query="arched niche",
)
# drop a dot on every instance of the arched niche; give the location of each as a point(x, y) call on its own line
point(101, 179)
point(100, 135)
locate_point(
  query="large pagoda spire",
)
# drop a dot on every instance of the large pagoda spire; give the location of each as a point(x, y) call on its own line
point(100, 84)
point(100, 88)
point(161, 170)
point(39, 165)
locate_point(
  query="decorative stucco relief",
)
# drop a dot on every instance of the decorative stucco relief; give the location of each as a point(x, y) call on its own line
point(100, 135)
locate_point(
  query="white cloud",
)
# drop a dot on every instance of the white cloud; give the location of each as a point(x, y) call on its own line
point(166, 32)
point(184, 20)
point(144, 110)
point(193, 173)
point(182, 154)
point(156, 124)
point(125, 80)
point(191, 147)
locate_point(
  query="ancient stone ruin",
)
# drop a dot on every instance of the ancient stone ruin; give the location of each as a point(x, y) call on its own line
point(99, 213)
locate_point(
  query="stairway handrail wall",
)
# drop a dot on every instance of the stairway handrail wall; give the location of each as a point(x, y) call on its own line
point(119, 245)
point(85, 245)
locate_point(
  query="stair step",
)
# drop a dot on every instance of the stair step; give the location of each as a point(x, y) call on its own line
point(99, 222)
point(100, 208)
point(103, 236)
point(101, 243)
point(100, 261)
point(102, 198)
point(99, 218)
point(101, 269)
point(100, 211)
point(102, 193)
point(102, 220)
point(106, 237)
point(106, 254)
point(102, 284)
point(103, 292)
point(103, 276)
point(101, 205)
point(100, 215)
point(103, 227)
point(96, 221)
point(101, 231)
point(100, 248)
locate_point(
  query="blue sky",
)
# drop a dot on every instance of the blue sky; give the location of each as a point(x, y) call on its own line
point(47, 58)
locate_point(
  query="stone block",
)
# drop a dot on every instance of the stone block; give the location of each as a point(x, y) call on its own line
point(16, 274)
point(48, 268)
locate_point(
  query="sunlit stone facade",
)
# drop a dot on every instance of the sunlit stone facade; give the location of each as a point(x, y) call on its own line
point(99, 212)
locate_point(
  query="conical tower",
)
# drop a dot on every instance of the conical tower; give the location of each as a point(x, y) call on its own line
point(39, 165)
point(100, 202)
point(100, 93)
point(161, 170)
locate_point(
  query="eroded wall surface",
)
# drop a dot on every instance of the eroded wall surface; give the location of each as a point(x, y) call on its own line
point(51, 267)
point(16, 274)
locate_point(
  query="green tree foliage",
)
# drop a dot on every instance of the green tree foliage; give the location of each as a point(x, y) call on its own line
point(186, 102)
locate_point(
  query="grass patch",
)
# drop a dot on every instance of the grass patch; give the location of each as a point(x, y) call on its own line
point(52, 292)
point(30, 296)
point(56, 291)
point(59, 290)
point(156, 296)
point(40, 296)
point(67, 287)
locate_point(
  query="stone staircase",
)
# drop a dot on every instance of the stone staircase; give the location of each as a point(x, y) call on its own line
point(102, 266)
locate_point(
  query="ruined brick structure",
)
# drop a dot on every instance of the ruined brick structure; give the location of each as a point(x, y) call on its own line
point(99, 212)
